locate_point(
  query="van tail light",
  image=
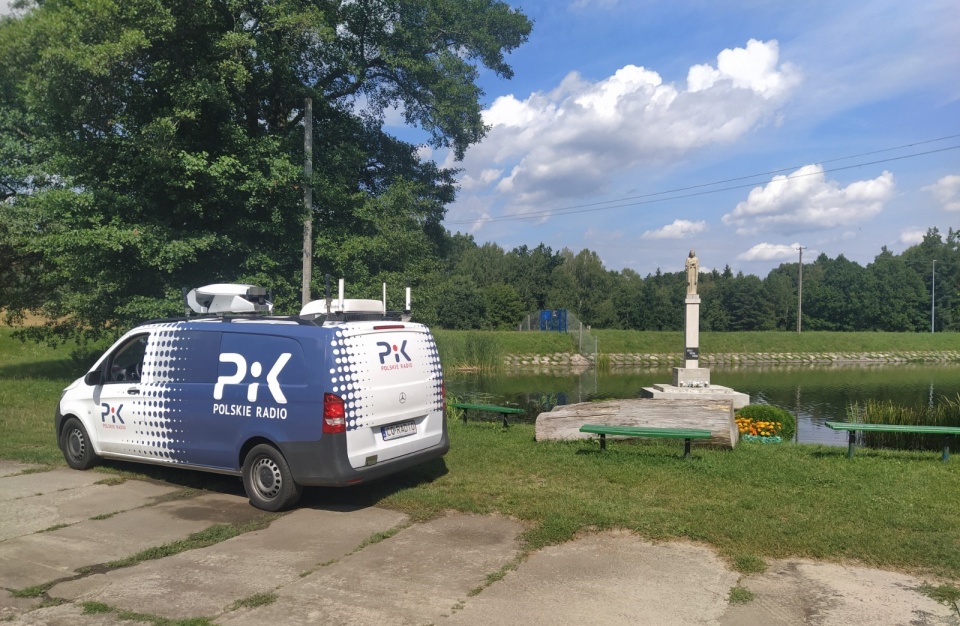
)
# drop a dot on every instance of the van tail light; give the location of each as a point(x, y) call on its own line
point(334, 416)
point(443, 394)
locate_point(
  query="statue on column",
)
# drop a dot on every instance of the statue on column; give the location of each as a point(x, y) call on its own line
point(693, 272)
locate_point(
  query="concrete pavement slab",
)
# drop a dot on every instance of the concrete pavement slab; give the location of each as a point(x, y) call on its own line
point(45, 557)
point(415, 577)
point(31, 514)
point(607, 578)
point(207, 581)
point(68, 615)
point(40, 483)
point(9, 468)
point(11, 606)
point(794, 592)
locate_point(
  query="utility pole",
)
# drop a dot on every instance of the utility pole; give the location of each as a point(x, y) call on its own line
point(800, 289)
point(933, 294)
point(307, 201)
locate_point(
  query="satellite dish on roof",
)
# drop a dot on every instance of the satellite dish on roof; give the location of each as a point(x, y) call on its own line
point(221, 298)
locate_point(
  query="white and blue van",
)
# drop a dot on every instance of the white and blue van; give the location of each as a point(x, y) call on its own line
point(344, 393)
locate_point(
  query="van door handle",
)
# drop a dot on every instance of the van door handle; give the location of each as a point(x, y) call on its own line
point(133, 391)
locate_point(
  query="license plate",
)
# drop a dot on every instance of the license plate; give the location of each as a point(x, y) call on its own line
point(395, 431)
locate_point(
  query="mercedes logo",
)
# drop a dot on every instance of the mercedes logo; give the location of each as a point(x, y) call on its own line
point(403, 398)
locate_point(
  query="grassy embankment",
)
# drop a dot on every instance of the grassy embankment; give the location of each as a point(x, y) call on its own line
point(484, 349)
point(888, 509)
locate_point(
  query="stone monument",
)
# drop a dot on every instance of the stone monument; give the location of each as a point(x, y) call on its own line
point(691, 380)
point(691, 374)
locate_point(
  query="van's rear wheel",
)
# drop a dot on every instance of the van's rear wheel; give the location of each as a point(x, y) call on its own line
point(267, 479)
point(76, 447)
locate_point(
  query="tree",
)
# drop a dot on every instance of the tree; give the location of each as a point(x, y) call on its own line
point(747, 304)
point(592, 291)
point(530, 271)
point(462, 306)
point(838, 295)
point(627, 294)
point(899, 295)
point(780, 287)
point(662, 301)
point(504, 309)
point(149, 145)
point(713, 290)
point(484, 264)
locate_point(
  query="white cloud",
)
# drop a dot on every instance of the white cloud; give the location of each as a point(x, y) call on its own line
point(770, 252)
point(471, 214)
point(805, 200)
point(912, 237)
point(424, 152)
point(568, 143)
point(947, 192)
point(679, 229)
point(753, 68)
point(469, 182)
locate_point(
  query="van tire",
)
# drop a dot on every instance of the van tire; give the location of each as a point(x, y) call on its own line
point(75, 445)
point(267, 479)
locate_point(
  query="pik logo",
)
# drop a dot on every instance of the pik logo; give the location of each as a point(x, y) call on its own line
point(238, 377)
point(389, 349)
point(114, 413)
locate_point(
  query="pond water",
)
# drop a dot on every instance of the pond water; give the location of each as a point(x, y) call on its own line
point(814, 393)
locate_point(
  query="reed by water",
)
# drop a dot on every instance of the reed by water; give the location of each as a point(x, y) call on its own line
point(944, 412)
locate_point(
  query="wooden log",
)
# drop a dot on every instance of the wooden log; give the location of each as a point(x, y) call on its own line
point(717, 416)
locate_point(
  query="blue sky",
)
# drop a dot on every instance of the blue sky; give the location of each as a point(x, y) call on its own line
point(618, 104)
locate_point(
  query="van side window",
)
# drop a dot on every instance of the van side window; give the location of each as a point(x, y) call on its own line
point(126, 364)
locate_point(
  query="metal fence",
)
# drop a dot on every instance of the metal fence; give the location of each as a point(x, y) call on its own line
point(563, 320)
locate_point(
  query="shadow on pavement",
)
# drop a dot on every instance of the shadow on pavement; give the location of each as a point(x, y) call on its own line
point(332, 498)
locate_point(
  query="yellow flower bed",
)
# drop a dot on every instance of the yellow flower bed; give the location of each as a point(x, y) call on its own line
point(750, 428)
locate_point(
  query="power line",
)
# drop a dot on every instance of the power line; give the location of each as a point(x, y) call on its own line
point(651, 198)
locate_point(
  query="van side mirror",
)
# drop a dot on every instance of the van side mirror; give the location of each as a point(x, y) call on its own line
point(94, 378)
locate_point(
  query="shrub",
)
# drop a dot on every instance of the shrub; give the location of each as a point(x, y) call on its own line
point(768, 413)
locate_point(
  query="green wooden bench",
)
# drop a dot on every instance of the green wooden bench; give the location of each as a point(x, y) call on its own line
point(644, 431)
point(504, 411)
point(946, 431)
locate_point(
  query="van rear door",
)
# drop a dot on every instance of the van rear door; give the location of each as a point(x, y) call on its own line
point(389, 377)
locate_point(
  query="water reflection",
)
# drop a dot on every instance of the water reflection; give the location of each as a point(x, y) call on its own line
point(814, 393)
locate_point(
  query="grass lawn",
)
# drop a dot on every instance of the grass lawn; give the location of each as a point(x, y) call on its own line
point(883, 508)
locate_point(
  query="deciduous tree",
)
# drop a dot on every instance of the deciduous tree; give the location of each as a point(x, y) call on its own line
point(149, 145)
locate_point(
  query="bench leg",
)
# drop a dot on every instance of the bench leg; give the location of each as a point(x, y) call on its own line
point(504, 416)
point(603, 442)
point(946, 450)
point(686, 448)
point(852, 443)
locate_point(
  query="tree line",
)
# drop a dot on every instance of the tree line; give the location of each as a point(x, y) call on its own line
point(485, 286)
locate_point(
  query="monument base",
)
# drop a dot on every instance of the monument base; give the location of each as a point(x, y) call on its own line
point(691, 377)
point(713, 392)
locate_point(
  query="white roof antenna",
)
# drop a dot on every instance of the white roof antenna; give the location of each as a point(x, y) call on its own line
point(349, 308)
point(224, 298)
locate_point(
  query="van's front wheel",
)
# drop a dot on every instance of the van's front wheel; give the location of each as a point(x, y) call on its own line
point(267, 479)
point(76, 447)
